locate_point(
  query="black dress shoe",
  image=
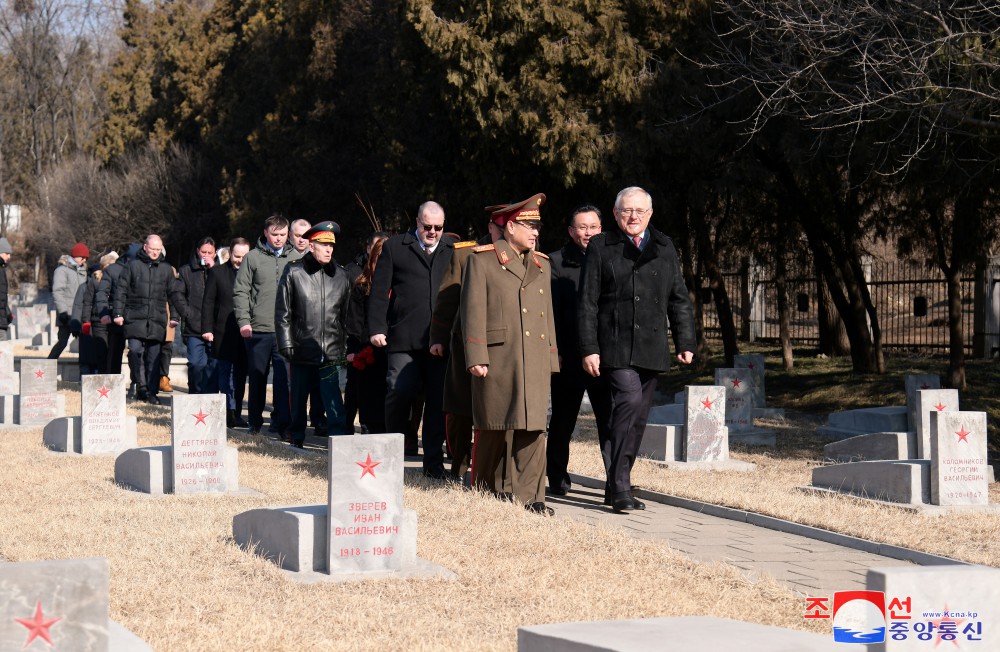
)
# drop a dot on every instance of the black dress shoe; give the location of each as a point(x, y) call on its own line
point(540, 508)
point(153, 400)
point(253, 430)
point(240, 422)
point(638, 504)
point(622, 505)
point(556, 490)
point(299, 443)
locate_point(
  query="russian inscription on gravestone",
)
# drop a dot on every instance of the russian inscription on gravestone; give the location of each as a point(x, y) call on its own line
point(958, 458)
point(103, 416)
point(62, 603)
point(199, 443)
point(37, 403)
point(928, 401)
point(368, 530)
point(755, 363)
point(10, 382)
point(739, 407)
point(705, 434)
point(914, 383)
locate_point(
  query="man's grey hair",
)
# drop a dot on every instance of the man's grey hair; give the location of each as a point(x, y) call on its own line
point(631, 190)
point(429, 206)
point(300, 222)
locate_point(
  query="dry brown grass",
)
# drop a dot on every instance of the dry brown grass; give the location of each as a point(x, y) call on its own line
point(772, 489)
point(179, 581)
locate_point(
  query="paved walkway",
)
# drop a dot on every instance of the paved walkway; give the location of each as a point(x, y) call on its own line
point(807, 565)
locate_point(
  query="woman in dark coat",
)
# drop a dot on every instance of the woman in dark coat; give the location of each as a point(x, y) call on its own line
point(370, 363)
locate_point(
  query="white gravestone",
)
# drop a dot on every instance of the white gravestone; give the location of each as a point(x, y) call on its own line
point(739, 389)
point(199, 443)
point(914, 383)
point(928, 401)
point(103, 418)
point(32, 323)
point(958, 458)
point(10, 382)
point(755, 363)
point(38, 402)
point(368, 528)
point(706, 438)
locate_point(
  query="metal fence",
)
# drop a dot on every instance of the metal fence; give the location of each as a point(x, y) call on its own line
point(911, 303)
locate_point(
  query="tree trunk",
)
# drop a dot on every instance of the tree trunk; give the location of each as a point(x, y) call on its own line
point(784, 330)
point(956, 337)
point(832, 334)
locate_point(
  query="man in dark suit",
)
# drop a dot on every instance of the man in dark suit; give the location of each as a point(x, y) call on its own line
point(572, 381)
point(222, 331)
point(405, 286)
point(632, 285)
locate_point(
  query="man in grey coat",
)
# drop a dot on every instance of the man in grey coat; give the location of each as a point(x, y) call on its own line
point(70, 274)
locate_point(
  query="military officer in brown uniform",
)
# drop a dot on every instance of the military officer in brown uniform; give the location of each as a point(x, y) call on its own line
point(510, 350)
point(446, 336)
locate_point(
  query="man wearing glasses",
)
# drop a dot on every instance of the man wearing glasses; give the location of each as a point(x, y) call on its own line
point(404, 288)
point(632, 287)
point(571, 382)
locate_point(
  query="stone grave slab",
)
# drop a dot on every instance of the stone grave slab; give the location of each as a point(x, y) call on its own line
point(681, 633)
point(739, 390)
point(755, 364)
point(864, 421)
point(913, 384)
point(361, 533)
point(60, 604)
point(199, 443)
point(706, 437)
point(103, 428)
point(670, 413)
point(958, 458)
point(662, 442)
point(903, 481)
point(927, 401)
point(39, 401)
point(969, 593)
point(150, 470)
point(876, 446)
point(32, 323)
point(10, 381)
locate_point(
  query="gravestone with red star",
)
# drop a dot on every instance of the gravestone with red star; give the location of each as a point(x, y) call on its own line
point(914, 383)
point(103, 416)
point(755, 363)
point(958, 458)
point(54, 605)
point(706, 438)
point(38, 402)
point(199, 443)
point(739, 389)
point(928, 401)
point(10, 383)
point(368, 528)
point(32, 322)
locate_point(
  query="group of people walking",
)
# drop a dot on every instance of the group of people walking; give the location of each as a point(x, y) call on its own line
point(462, 341)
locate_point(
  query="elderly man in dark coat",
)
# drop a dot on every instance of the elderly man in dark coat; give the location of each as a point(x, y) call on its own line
point(510, 348)
point(222, 331)
point(140, 305)
point(632, 289)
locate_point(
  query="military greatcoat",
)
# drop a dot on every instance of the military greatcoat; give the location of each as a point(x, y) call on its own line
point(507, 323)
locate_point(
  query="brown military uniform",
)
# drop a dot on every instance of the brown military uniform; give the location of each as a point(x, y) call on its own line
point(507, 323)
point(446, 330)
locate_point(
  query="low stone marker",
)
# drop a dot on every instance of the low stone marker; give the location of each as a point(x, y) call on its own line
point(199, 461)
point(938, 607)
point(754, 363)
point(32, 323)
point(656, 634)
point(363, 531)
point(926, 402)
point(739, 407)
point(913, 384)
point(958, 458)
point(63, 604)
point(103, 427)
point(10, 381)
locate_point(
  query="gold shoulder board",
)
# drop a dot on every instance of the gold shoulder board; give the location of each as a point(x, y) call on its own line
point(481, 248)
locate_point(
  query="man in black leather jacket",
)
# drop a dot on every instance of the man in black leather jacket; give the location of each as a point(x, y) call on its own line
point(310, 312)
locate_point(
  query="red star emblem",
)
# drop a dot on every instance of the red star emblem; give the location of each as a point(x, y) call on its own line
point(736, 382)
point(200, 417)
point(368, 467)
point(38, 627)
point(749, 365)
point(103, 391)
point(707, 403)
point(940, 407)
point(963, 434)
point(39, 374)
